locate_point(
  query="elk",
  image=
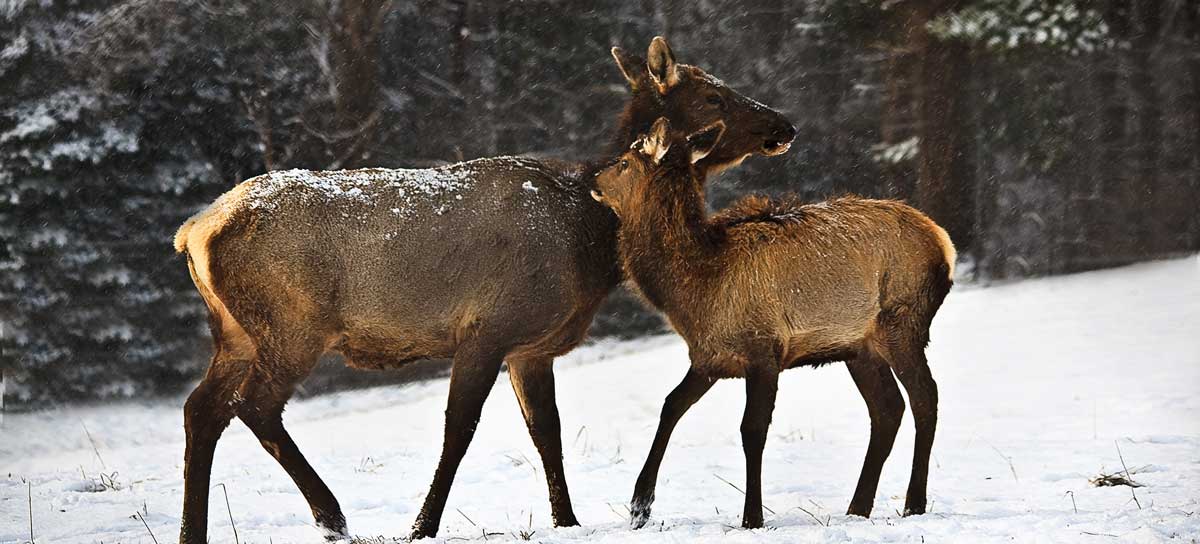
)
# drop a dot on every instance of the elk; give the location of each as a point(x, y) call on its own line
point(768, 285)
point(488, 261)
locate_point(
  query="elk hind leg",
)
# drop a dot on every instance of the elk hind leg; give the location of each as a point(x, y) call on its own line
point(885, 405)
point(905, 352)
point(533, 383)
point(265, 392)
point(206, 414)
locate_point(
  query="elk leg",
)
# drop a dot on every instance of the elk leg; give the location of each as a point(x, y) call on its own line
point(471, 379)
point(533, 383)
point(762, 383)
point(262, 412)
point(885, 405)
point(206, 413)
point(913, 371)
point(693, 386)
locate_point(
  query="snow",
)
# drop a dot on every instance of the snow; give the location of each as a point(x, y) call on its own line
point(410, 185)
point(42, 115)
point(1040, 382)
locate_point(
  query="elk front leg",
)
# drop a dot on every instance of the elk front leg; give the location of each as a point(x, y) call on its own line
point(533, 383)
point(762, 383)
point(471, 379)
point(693, 386)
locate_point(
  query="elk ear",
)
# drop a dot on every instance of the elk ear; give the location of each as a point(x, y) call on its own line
point(655, 144)
point(631, 68)
point(660, 63)
point(703, 141)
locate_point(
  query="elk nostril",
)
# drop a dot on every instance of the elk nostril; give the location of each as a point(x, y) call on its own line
point(787, 133)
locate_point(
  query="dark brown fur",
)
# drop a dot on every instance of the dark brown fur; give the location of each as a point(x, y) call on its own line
point(768, 285)
point(488, 261)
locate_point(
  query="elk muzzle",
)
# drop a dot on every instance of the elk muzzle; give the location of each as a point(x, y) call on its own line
point(779, 140)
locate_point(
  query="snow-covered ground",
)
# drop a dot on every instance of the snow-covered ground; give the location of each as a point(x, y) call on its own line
point(1040, 382)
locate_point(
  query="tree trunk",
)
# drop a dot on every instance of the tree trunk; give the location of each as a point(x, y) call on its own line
point(944, 181)
point(935, 72)
point(1111, 232)
point(354, 30)
point(898, 119)
point(1153, 235)
point(1193, 102)
point(482, 60)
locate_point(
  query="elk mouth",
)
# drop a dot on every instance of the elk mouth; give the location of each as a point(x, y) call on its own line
point(771, 148)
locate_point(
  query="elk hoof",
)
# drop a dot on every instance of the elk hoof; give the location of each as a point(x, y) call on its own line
point(567, 520)
point(423, 529)
point(914, 510)
point(752, 522)
point(860, 511)
point(639, 514)
point(333, 528)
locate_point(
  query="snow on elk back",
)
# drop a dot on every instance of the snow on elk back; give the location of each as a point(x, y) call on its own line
point(410, 186)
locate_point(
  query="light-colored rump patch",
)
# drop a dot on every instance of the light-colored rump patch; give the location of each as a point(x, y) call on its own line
point(942, 238)
point(194, 237)
point(946, 244)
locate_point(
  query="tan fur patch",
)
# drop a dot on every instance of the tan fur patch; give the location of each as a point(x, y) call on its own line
point(194, 237)
point(946, 244)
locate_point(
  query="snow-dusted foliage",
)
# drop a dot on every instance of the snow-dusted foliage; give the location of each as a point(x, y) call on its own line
point(91, 178)
point(1074, 132)
point(1071, 26)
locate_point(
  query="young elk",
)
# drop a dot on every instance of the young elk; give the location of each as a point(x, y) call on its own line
point(487, 261)
point(764, 286)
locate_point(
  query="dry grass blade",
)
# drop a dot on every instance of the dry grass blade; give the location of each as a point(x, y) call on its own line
point(768, 508)
point(1122, 458)
point(230, 512)
point(619, 514)
point(1008, 459)
point(29, 495)
point(823, 523)
point(93, 442)
point(460, 512)
point(147, 525)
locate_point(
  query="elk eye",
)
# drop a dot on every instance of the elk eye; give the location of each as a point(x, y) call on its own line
point(715, 99)
point(624, 164)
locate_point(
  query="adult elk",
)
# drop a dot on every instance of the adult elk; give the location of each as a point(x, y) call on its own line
point(491, 260)
point(764, 286)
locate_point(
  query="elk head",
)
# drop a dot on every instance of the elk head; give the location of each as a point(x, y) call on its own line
point(692, 100)
point(626, 182)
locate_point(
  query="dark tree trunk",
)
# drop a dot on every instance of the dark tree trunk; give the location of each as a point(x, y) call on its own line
point(944, 183)
point(1113, 147)
point(484, 33)
point(935, 70)
point(1153, 236)
point(354, 30)
point(898, 120)
point(1193, 102)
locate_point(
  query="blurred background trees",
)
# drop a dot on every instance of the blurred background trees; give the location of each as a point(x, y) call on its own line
point(1048, 136)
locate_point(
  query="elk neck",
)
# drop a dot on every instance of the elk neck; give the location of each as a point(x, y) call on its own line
point(667, 244)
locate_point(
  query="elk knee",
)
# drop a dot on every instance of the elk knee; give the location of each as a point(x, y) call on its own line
point(755, 431)
point(203, 414)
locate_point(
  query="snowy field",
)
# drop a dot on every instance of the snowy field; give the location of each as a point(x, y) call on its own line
point(1040, 382)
